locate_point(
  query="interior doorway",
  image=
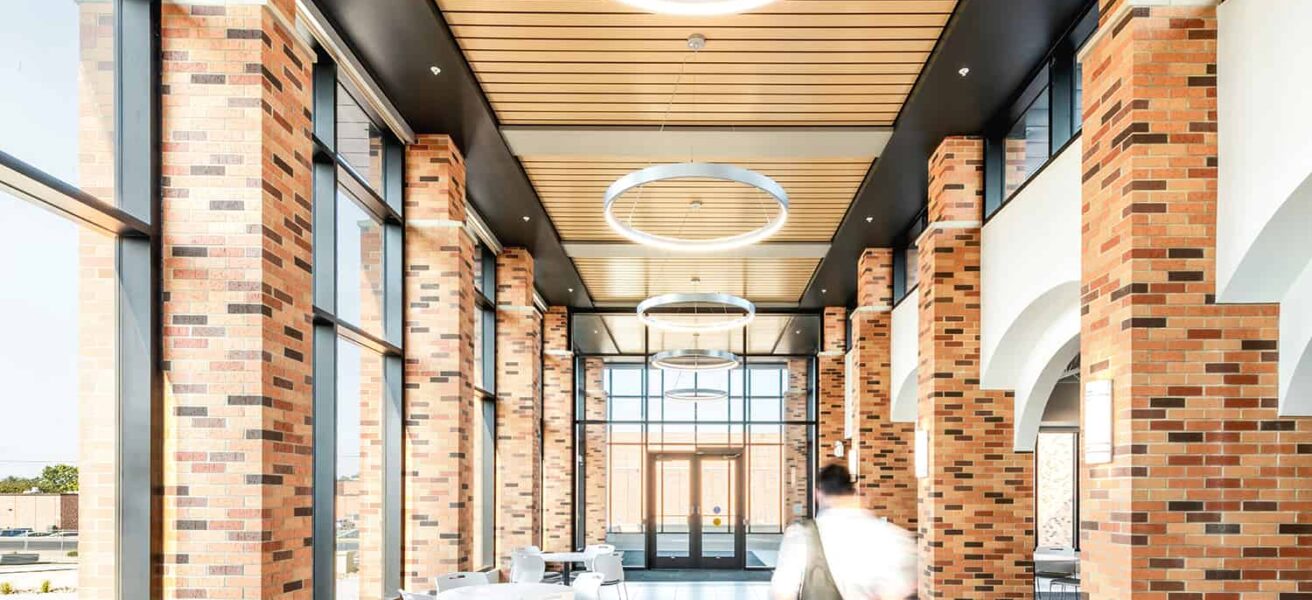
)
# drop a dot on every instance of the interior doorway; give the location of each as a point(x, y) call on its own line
point(695, 510)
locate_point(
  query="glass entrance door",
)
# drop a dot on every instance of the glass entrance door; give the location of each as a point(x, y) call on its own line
point(695, 511)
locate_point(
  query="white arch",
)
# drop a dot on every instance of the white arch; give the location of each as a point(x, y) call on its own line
point(1039, 378)
point(1028, 337)
point(1295, 395)
point(906, 357)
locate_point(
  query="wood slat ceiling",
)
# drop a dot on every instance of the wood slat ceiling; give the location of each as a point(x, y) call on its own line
point(635, 279)
point(800, 62)
point(601, 62)
point(818, 193)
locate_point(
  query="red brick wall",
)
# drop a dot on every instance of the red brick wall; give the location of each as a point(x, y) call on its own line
point(830, 392)
point(976, 512)
point(1208, 493)
point(519, 407)
point(595, 453)
point(237, 296)
point(886, 480)
point(558, 425)
point(797, 466)
point(437, 517)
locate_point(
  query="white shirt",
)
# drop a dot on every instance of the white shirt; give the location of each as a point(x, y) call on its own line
point(869, 559)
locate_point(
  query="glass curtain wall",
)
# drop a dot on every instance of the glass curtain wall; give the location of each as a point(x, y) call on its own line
point(78, 302)
point(625, 424)
point(485, 389)
point(357, 344)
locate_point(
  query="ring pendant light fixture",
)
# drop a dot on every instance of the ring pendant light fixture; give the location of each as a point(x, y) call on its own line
point(663, 312)
point(697, 7)
point(695, 392)
point(721, 173)
point(695, 360)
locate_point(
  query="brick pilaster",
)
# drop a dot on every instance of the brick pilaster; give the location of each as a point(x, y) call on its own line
point(886, 479)
point(237, 303)
point(437, 514)
point(830, 393)
point(797, 467)
point(519, 407)
point(558, 428)
point(595, 452)
point(976, 511)
point(1207, 494)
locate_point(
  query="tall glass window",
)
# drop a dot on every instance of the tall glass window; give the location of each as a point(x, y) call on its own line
point(732, 472)
point(485, 439)
point(357, 346)
point(1056, 487)
point(77, 302)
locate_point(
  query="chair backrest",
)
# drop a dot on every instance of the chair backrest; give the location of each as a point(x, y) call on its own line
point(609, 566)
point(527, 568)
point(587, 586)
point(451, 581)
point(415, 596)
point(527, 550)
point(591, 551)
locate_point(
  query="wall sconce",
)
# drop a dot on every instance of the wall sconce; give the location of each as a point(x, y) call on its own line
point(1097, 426)
point(922, 453)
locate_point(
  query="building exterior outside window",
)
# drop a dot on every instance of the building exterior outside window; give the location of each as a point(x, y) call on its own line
point(77, 303)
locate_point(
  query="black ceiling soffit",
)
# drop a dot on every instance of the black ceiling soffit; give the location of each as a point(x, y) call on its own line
point(1002, 42)
point(398, 41)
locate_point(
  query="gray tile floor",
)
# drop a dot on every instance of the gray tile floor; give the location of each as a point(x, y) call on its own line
point(692, 590)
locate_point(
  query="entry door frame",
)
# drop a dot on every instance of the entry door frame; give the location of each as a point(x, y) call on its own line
point(695, 558)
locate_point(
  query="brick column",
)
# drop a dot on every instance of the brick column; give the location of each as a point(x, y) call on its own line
point(437, 515)
point(886, 479)
point(519, 407)
point(1208, 494)
point(595, 453)
point(237, 303)
point(558, 428)
point(830, 392)
point(976, 507)
point(797, 466)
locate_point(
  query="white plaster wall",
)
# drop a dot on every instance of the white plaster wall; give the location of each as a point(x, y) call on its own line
point(906, 357)
point(1296, 348)
point(1264, 203)
point(1030, 268)
point(1264, 91)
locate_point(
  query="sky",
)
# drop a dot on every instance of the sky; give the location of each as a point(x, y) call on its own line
point(38, 260)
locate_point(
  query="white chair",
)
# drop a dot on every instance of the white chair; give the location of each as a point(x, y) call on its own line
point(415, 596)
point(451, 581)
point(528, 550)
point(527, 568)
point(591, 551)
point(587, 586)
point(611, 568)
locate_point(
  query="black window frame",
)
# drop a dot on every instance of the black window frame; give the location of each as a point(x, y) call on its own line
point(1055, 78)
point(331, 172)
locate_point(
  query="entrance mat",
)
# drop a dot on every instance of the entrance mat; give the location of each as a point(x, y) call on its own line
point(696, 575)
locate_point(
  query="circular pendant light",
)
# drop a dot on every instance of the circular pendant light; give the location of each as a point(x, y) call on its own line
point(695, 360)
point(696, 7)
point(721, 172)
point(695, 394)
point(693, 313)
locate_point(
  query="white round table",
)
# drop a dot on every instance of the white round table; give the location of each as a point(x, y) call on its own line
point(509, 591)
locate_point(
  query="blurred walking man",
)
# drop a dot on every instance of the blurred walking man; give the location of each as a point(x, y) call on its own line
point(846, 552)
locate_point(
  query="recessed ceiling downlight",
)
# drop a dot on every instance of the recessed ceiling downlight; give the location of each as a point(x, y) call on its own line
point(697, 7)
point(696, 360)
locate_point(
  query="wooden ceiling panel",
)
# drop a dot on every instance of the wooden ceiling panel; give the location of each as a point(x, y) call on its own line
point(572, 190)
point(631, 280)
point(793, 62)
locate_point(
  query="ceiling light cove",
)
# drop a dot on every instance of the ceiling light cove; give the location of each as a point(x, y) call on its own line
point(774, 216)
point(697, 8)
